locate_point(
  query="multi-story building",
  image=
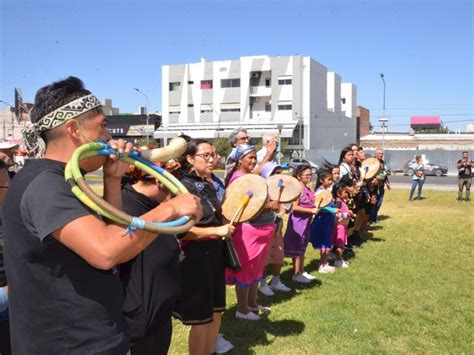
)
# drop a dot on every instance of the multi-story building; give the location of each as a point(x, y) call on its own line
point(294, 95)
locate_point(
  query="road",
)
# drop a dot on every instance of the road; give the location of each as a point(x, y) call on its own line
point(399, 182)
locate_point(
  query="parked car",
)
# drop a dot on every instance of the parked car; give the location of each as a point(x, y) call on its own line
point(430, 169)
point(294, 163)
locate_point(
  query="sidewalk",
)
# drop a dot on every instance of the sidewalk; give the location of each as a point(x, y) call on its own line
point(434, 187)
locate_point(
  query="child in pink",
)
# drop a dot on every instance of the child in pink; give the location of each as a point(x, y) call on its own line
point(339, 234)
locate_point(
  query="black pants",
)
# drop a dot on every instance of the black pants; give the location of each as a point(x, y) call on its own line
point(157, 343)
point(5, 347)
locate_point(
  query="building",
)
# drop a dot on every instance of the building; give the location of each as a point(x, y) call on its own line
point(363, 122)
point(133, 127)
point(407, 141)
point(293, 95)
point(422, 123)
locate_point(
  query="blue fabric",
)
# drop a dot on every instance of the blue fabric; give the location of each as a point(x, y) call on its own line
point(321, 228)
point(3, 300)
point(374, 209)
point(414, 184)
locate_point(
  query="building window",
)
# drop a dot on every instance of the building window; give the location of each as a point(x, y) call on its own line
point(284, 107)
point(268, 107)
point(206, 84)
point(190, 105)
point(175, 113)
point(343, 100)
point(284, 81)
point(190, 82)
point(230, 83)
point(175, 86)
point(268, 83)
point(206, 110)
point(230, 110)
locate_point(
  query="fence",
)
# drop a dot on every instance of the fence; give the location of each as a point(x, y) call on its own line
point(396, 159)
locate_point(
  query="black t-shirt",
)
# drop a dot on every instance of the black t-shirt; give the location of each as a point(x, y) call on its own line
point(206, 191)
point(152, 279)
point(58, 303)
point(464, 172)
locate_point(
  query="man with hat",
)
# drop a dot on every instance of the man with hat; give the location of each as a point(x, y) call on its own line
point(60, 257)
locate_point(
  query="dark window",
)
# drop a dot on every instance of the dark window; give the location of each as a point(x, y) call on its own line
point(230, 110)
point(190, 105)
point(190, 82)
point(284, 107)
point(343, 100)
point(268, 82)
point(254, 81)
point(268, 107)
point(206, 84)
point(175, 113)
point(230, 83)
point(175, 86)
point(284, 81)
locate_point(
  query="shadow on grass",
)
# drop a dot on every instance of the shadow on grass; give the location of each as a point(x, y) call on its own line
point(383, 217)
point(246, 334)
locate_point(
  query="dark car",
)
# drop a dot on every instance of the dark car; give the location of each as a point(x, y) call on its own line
point(429, 169)
point(294, 163)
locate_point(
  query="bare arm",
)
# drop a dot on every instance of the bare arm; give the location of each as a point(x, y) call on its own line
point(106, 245)
point(206, 232)
point(298, 208)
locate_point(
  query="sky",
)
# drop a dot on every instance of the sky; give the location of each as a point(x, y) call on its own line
point(423, 48)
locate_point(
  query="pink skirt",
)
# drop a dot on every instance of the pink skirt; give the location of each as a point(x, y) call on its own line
point(252, 245)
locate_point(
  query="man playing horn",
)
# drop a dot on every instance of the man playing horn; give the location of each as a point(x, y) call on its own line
point(60, 257)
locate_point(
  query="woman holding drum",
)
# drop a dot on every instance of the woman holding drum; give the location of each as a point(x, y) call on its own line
point(251, 240)
point(202, 297)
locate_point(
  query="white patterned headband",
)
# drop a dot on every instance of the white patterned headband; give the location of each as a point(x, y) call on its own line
point(32, 132)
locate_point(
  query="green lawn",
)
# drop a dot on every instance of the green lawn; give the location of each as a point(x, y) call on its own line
point(408, 290)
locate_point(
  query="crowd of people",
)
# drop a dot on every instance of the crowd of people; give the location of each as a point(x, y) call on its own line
point(80, 284)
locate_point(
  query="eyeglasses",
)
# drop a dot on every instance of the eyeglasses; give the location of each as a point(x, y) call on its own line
point(246, 138)
point(206, 156)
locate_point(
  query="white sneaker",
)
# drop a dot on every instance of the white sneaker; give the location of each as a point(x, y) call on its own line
point(342, 264)
point(326, 269)
point(266, 290)
point(222, 345)
point(309, 276)
point(248, 316)
point(279, 286)
point(260, 308)
point(301, 279)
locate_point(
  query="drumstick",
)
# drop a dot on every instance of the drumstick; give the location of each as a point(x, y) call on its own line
point(366, 170)
point(320, 198)
point(245, 201)
point(280, 186)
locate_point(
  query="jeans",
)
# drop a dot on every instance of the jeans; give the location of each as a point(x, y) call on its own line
point(414, 184)
point(374, 209)
point(464, 182)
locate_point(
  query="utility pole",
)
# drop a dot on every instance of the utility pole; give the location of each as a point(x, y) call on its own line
point(146, 112)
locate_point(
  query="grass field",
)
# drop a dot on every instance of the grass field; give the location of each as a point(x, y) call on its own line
point(408, 290)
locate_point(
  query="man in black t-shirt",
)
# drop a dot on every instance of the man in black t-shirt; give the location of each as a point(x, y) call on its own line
point(64, 293)
point(152, 279)
point(465, 176)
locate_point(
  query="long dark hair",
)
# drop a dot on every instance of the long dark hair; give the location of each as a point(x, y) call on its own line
point(299, 170)
point(191, 149)
point(321, 176)
point(344, 151)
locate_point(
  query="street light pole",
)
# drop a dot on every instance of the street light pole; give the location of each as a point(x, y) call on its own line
point(146, 112)
point(218, 119)
point(384, 117)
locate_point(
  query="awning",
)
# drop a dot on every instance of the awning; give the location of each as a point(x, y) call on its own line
point(208, 130)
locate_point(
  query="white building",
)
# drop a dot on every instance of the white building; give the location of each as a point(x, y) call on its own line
point(260, 93)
